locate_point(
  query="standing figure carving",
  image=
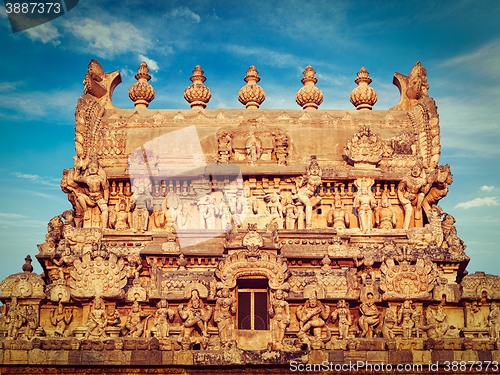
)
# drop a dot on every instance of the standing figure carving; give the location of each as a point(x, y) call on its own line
point(141, 203)
point(290, 213)
point(274, 210)
point(406, 318)
point(365, 203)
point(133, 326)
point(162, 317)
point(14, 319)
point(370, 316)
point(306, 187)
point(121, 217)
point(494, 321)
point(343, 314)
point(385, 217)
point(313, 314)
point(97, 321)
point(195, 315)
point(436, 322)
point(225, 310)
point(211, 212)
point(410, 193)
point(279, 312)
point(61, 318)
point(96, 181)
point(338, 217)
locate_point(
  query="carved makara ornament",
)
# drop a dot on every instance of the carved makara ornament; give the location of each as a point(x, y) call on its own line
point(252, 95)
point(365, 147)
point(197, 94)
point(309, 96)
point(363, 96)
point(412, 88)
point(141, 92)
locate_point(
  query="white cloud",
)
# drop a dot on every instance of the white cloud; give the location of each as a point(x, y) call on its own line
point(108, 40)
point(38, 179)
point(266, 56)
point(11, 216)
point(478, 202)
point(152, 65)
point(44, 33)
point(184, 12)
point(487, 188)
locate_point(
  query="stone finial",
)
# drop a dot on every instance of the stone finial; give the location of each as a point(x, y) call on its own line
point(27, 267)
point(252, 95)
point(363, 96)
point(197, 94)
point(142, 93)
point(309, 96)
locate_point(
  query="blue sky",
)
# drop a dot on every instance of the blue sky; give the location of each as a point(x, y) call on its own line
point(458, 42)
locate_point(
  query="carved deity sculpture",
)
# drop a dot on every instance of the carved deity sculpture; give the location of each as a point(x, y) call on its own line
point(97, 321)
point(159, 218)
point(224, 141)
point(141, 203)
point(364, 203)
point(253, 147)
point(225, 310)
point(406, 318)
point(238, 206)
point(313, 314)
point(121, 217)
point(112, 316)
point(274, 210)
point(369, 316)
point(32, 320)
point(343, 314)
point(338, 217)
point(211, 212)
point(14, 319)
point(161, 319)
point(436, 322)
point(494, 321)
point(290, 212)
point(410, 193)
point(96, 181)
point(306, 188)
point(195, 315)
point(385, 217)
point(61, 318)
point(133, 326)
point(450, 236)
point(225, 216)
point(279, 312)
point(388, 325)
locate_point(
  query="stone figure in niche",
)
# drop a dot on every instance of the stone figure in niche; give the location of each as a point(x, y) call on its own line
point(369, 316)
point(274, 210)
point(225, 310)
point(410, 193)
point(61, 318)
point(365, 203)
point(439, 180)
point(290, 213)
point(112, 316)
point(313, 315)
point(69, 223)
point(436, 322)
point(97, 321)
point(338, 217)
point(141, 203)
point(388, 325)
point(32, 320)
point(202, 204)
point(279, 312)
point(14, 319)
point(162, 317)
point(343, 314)
point(301, 217)
point(385, 217)
point(306, 187)
point(238, 207)
point(159, 218)
point(280, 148)
point(96, 181)
point(494, 321)
point(253, 147)
point(121, 217)
point(133, 326)
point(451, 239)
point(65, 262)
point(211, 212)
point(134, 264)
point(225, 216)
point(195, 315)
point(406, 316)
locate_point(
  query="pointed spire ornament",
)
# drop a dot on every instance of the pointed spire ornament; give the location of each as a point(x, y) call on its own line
point(309, 96)
point(197, 94)
point(363, 96)
point(141, 92)
point(252, 95)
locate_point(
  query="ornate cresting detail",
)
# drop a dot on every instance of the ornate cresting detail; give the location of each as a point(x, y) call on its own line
point(365, 148)
point(197, 94)
point(88, 116)
point(363, 96)
point(142, 93)
point(309, 96)
point(240, 264)
point(252, 95)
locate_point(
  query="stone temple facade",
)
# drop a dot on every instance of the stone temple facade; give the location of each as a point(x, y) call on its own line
point(249, 240)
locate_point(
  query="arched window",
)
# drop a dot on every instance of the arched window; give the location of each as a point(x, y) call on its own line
point(253, 304)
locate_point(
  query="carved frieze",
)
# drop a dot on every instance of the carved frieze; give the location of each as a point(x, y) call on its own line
point(479, 286)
